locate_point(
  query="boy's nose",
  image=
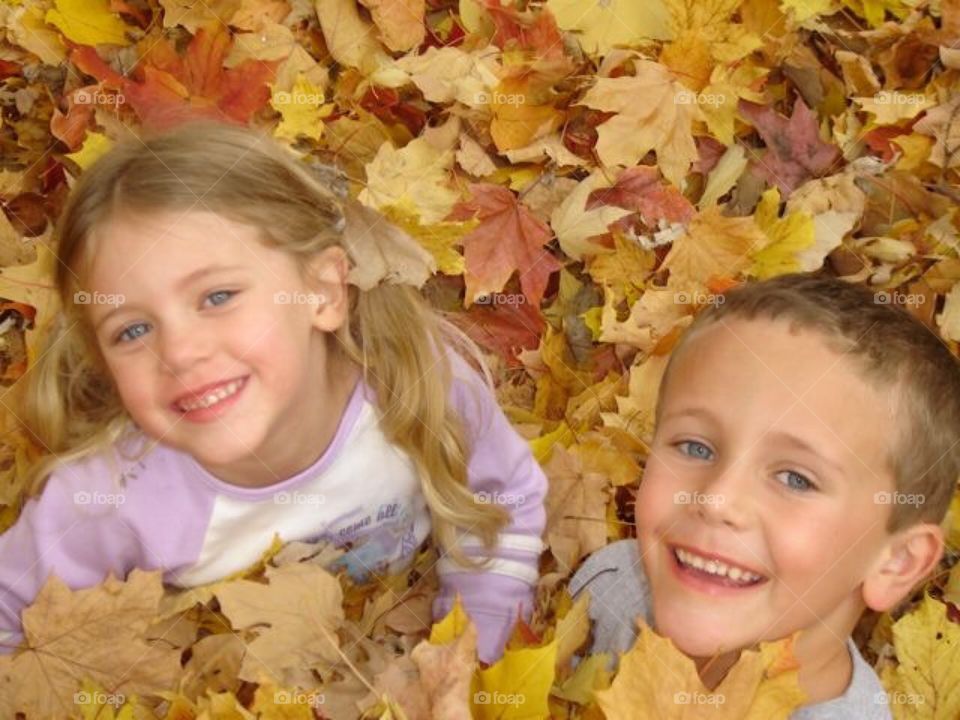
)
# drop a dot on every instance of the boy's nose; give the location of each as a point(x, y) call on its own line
point(726, 498)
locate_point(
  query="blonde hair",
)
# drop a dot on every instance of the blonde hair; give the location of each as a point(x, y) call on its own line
point(894, 352)
point(71, 405)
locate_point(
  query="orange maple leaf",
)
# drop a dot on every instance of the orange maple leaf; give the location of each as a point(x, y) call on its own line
point(509, 237)
point(168, 89)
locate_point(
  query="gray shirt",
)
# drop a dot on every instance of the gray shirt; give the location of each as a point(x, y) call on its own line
point(619, 592)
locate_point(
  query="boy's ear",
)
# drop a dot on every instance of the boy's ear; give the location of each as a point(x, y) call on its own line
point(911, 554)
point(327, 277)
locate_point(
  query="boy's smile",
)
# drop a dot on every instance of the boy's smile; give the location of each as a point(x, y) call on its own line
point(756, 515)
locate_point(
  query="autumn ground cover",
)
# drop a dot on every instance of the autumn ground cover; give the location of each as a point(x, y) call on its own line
point(587, 176)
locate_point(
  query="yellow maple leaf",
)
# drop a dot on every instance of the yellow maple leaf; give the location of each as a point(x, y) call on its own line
point(417, 174)
point(439, 238)
point(713, 245)
point(601, 26)
point(88, 22)
point(302, 110)
point(94, 145)
point(789, 236)
point(923, 684)
point(662, 122)
point(656, 680)
point(710, 20)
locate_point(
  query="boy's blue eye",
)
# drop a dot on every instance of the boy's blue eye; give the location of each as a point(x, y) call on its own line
point(228, 293)
point(126, 334)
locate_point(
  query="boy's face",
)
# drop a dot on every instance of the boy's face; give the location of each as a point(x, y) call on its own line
point(723, 479)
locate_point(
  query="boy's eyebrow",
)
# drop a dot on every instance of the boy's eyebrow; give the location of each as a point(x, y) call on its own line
point(779, 435)
point(183, 282)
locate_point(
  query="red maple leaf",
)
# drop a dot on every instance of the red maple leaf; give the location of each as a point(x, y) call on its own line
point(168, 89)
point(509, 237)
point(795, 153)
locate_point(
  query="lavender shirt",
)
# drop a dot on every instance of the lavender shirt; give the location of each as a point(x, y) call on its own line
point(362, 493)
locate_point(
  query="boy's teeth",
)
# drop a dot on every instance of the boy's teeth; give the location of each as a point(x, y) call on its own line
point(715, 567)
point(214, 397)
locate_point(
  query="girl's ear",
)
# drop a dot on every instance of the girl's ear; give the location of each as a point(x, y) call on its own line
point(910, 556)
point(327, 279)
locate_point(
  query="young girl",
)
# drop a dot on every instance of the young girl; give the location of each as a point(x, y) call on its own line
point(219, 375)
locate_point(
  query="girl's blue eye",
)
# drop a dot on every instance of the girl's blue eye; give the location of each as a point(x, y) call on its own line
point(804, 483)
point(126, 334)
point(694, 442)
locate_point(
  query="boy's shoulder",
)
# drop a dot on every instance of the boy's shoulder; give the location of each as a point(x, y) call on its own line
point(613, 577)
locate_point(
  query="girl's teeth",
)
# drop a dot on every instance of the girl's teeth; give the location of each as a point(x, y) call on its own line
point(214, 397)
point(715, 567)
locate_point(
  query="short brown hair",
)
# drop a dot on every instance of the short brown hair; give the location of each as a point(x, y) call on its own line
point(894, 351)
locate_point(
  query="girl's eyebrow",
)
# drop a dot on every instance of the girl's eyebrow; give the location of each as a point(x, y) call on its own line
point(182, 283)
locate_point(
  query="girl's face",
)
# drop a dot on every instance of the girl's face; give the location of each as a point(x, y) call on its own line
point(212, 340)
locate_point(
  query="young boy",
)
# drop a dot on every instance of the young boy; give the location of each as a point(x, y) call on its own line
point(804, 454)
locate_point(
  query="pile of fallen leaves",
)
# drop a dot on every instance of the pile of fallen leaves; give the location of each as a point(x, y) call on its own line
point(586, 175)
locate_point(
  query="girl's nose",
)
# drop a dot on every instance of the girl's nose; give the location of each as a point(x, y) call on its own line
point(181, 346)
